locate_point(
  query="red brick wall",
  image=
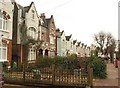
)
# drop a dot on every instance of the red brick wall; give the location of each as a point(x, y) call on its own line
point(9, 52)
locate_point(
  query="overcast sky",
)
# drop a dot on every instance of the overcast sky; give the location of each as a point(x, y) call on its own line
point(81, 18)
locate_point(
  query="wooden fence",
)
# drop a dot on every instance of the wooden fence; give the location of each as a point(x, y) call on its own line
point(49, 76)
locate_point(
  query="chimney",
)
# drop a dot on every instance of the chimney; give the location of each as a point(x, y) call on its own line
point(42, 15)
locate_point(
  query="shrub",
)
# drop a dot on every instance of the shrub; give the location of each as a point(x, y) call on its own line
point(99, 67)
point(69, 62)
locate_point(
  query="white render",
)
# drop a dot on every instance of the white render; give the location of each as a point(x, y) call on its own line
point(63, 44)
point(7, 7)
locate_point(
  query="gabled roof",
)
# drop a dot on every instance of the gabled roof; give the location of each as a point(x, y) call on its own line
point(74, 41)
point(27, 8)
point(62, 32)
point(78, 43)
point(68, 37)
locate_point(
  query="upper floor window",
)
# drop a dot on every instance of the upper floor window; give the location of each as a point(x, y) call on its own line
point(3, 22)
point(52, 39)
point(33, 14)
point(32, 32)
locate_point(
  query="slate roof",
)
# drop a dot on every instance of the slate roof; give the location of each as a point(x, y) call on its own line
point(24, 9)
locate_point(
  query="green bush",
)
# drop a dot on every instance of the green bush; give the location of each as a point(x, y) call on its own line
point(99, 67)
point(69, 62)
point(44, 61)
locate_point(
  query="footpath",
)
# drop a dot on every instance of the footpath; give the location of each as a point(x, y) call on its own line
point(112, 78)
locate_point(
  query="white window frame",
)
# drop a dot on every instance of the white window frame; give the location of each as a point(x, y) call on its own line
point(3, 57)
point(52, 39)
point(32, 32)
point(3, 23)
point(32, 54)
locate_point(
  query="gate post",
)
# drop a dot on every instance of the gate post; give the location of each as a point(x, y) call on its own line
point(90, 76)
point(24, 72)
point(53, 73)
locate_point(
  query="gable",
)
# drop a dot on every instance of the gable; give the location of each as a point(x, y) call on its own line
point(31, 9)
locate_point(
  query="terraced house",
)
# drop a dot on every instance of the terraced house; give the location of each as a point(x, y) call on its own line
point(47, 35)
point(25, 27)
point(61, 43)
point(6, 17)
point(38, 35)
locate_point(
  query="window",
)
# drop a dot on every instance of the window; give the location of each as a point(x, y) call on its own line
point(33, 14)
point(3, 22)
point(32, 54)
point(31, 32)
point(3, 52)
point(52, 40)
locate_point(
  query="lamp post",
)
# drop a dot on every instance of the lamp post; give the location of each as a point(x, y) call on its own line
point(1, 67)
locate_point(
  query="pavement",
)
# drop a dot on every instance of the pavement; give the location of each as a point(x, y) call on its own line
point(111, 80)
point(17, 86)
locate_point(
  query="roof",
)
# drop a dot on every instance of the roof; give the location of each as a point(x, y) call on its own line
point(27, 8)
point(62, 32)
point(74, 41)
point(68, 38)
point(78, 43)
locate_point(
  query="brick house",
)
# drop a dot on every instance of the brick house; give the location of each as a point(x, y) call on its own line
point(47, 35)
point(6, 17)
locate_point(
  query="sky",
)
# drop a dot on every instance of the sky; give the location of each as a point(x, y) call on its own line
point(81, 18)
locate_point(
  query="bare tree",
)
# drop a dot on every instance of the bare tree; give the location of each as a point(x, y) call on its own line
point(100, 39)
point(106, 43)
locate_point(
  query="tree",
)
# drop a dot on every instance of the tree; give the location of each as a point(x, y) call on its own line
point(106, 43)
point(100, 39)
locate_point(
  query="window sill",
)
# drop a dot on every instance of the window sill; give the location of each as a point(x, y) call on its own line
point(4, 30)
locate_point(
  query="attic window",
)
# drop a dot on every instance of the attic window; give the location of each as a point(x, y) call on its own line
point(33, 14)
